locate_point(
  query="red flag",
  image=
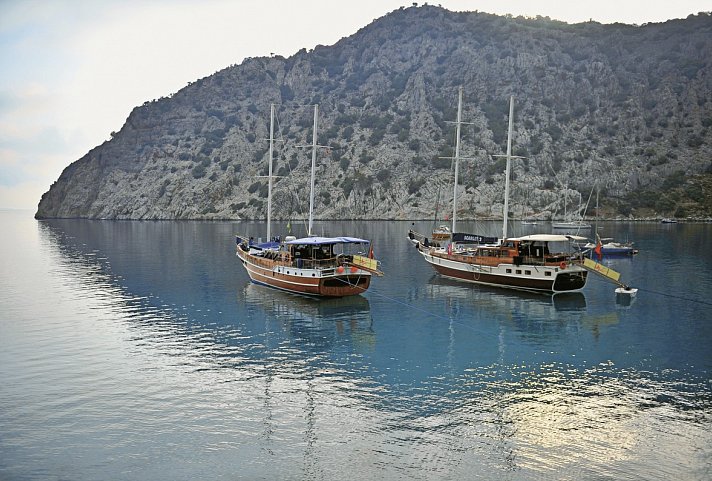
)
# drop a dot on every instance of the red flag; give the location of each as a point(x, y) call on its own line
point(370, 252)
point(449, 249)
point(597, 250)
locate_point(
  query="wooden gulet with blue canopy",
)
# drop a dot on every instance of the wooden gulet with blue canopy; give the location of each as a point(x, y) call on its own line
point(314, 266)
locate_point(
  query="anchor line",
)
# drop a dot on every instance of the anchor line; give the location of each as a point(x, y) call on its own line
point(393, 299)
point(665, 294)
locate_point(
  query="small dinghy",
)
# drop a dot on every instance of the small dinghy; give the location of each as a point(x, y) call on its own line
point(626, 291)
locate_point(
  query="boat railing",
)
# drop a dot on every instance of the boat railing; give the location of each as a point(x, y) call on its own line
point(329, 262)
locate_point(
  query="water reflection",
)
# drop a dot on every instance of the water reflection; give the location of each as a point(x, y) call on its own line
point(318, 322)
point(421, 378)
point(535, 317)
point(536, 304)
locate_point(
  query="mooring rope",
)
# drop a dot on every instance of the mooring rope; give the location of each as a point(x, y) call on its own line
point(411, 306)
point(665, 294)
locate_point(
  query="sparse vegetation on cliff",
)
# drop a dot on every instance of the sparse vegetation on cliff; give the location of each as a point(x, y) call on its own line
point(627, 106)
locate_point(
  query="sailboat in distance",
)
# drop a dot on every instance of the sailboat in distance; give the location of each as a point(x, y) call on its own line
point(313, 266)
point(527, 262)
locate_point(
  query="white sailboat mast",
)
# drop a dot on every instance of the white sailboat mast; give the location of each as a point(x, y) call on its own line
point(506, 172)
point(269, 178)
point(457, 160)
point(313, 172)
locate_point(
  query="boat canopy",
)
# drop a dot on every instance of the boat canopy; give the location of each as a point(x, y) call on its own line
point(547, 238)
point(327, 240)
point(266, 245)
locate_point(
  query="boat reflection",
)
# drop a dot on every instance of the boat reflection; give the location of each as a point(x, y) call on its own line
point(537, 318)
point(320, 320)
point(624, 301)
point(501, 299)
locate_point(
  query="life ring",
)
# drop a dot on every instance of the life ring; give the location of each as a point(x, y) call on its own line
point(562, 265)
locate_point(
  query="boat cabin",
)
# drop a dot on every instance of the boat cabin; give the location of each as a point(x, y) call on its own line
point(532, 250)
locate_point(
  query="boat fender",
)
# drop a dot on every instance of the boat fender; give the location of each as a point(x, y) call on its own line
point(562, 265)
point(340, 269)
point(353, 269)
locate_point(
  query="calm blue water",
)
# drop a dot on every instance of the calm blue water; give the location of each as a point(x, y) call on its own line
point(139, 350)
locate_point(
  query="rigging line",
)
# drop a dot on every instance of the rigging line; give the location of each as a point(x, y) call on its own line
point(665, 294)
point(411, 306)
point(401, 302)
point(294, 195)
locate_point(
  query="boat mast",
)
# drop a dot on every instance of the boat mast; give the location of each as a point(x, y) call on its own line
point(437, 208)
point(506, 172)
point(313, 171)
point(457, 159)
point(595, 236)
point(566, 200)
point(269, 178)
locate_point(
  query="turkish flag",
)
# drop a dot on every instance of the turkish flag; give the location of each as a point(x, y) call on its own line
point(598, 251)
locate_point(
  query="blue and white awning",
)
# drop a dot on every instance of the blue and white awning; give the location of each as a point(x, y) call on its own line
point(326, 241)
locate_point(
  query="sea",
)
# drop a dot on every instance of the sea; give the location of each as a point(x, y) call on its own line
point(139, 350)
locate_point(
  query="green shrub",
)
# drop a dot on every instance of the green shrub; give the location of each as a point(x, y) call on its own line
point(198, 171)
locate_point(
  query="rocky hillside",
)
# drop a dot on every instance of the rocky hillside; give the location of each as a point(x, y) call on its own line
point(629, 107)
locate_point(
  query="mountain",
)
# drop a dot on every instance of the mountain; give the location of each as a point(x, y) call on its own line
point(629, 107)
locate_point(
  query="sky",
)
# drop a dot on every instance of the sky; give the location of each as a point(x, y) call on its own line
point(71, 71)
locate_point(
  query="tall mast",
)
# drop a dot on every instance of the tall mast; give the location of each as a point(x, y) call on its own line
point(595, 236)
point(457, 159)
point(269, 179)
point(506, 172)
point(313, 171)
point(566, 199)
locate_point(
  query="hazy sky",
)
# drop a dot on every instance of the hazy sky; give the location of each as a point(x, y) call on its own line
point(71, 71)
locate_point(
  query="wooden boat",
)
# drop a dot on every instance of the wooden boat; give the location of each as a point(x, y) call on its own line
point(442, 234)
point(526, 262)
point(314, 266)
point(439, 237)
point(519, 263)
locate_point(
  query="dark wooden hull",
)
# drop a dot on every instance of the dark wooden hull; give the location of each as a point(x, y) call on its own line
point(311, 282)
point(547, 279)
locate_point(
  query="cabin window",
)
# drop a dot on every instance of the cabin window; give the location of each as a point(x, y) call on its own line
point(547, 273)
point(509, 271)
point(519, 271)
point(528, 273)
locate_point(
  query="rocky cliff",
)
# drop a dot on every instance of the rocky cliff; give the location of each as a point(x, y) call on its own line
point(629, 107)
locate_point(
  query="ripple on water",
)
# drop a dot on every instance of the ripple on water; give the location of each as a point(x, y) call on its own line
point(119, 357)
